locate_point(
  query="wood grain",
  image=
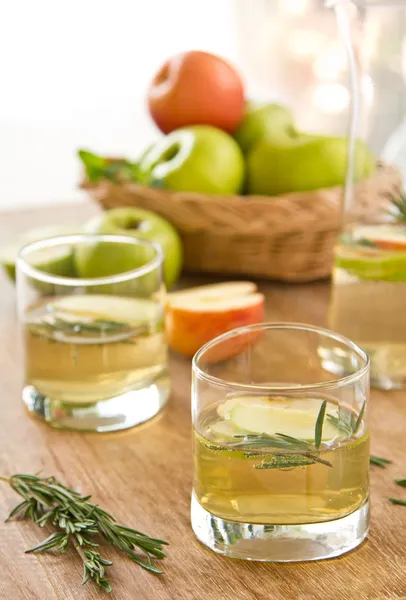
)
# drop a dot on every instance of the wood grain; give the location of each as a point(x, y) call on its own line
point(144, 476)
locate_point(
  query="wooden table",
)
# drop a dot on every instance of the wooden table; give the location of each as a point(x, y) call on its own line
point(144, 476)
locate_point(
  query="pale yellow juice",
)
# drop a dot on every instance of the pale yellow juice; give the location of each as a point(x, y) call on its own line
point(256, 478)
point(83, 349)
point(369, 296)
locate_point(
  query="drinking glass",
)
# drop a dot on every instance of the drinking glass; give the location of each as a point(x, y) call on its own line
point(94, 348)
point(281, 445)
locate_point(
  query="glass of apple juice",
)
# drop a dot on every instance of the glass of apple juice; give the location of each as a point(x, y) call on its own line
point(281, 445)
point(91, 309)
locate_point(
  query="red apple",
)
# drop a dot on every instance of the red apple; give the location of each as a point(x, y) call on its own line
point(197, 315)
point(196, 88)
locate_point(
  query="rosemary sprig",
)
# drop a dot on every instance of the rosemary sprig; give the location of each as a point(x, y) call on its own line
point(286, 461)
point(46, 501)
point(97, 326)
point(318, 429)
point(379, 462)
point(263, 440)
point(286, 453)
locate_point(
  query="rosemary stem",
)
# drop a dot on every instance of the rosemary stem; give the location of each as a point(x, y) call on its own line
point(79, 550)
point(317, 459)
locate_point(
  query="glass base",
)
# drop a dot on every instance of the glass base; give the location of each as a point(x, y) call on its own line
point(280, 543)
point(112, 414)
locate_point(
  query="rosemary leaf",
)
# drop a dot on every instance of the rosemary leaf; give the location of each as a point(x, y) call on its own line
point(17, 509)
point(359, 418)
point(379, 462)
point(341, 423)
point(318, 430)
point(397, 501)
point(286, 461)
point(401, 482)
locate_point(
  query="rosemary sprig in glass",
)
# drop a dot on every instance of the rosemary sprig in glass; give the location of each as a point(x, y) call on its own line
point(46, 501)
point(289, 451)
point(96, 326)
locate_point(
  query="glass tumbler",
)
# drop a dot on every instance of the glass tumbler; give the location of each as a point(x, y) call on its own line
point(281, 445)
point(95, 355)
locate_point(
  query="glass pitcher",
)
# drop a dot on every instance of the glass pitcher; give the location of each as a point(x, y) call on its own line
point(368, 301)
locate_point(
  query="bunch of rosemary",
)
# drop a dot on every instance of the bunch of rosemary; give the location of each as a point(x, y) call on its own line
point(79, 523)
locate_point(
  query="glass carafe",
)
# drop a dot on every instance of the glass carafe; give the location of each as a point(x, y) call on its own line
point(369, 277)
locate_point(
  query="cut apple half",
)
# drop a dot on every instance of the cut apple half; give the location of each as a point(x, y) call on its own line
point(197, 315)
point(296, 418)
point(87, 308)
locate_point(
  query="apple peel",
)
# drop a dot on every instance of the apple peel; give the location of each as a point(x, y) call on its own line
point(196, 316)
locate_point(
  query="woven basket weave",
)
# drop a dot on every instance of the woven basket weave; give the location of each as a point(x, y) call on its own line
point(288, 238)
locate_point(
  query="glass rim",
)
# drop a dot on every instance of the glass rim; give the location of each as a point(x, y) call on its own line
point(253, 387)
point(59, 240)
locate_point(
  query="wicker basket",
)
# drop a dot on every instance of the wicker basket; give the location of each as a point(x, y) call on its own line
point(288, 238)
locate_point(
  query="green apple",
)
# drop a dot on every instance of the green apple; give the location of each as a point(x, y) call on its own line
point(199, 158)
point(304, 163)
point(271, 121)
point(56, 261)
point(104, 259)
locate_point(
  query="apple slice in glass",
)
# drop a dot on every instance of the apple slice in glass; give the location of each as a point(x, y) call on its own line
point(56, 261)
point(375, 252)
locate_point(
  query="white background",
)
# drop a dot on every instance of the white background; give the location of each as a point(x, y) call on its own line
point(74, 74)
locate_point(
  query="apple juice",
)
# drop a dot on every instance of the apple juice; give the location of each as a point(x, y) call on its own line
point(256, 460)
point(369, 296)
point(85, 348)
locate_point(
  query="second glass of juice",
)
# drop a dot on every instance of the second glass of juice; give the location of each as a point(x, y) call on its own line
point(94, 347)
point(281, 445)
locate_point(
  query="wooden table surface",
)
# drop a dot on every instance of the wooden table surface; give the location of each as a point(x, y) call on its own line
point(144, 476)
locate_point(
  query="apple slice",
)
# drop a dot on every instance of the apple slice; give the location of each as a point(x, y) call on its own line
point(386, 237)
point(56, 261)
point(197, 315)
point(376, 253)
point(296, 418)
point(87, 308)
